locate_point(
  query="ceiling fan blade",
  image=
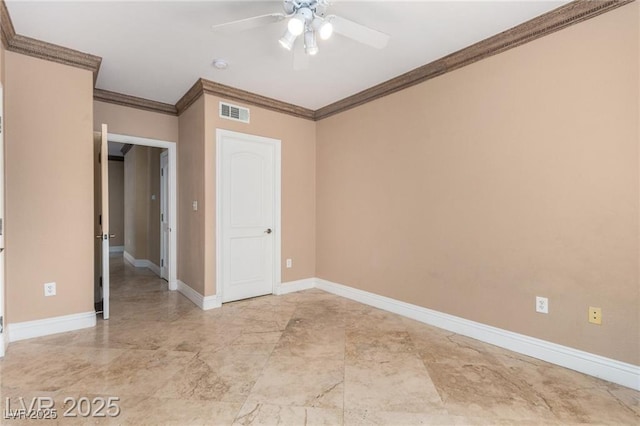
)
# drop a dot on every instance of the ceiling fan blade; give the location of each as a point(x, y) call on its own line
point(300, 57)
point(248, 23)
point(358, 32)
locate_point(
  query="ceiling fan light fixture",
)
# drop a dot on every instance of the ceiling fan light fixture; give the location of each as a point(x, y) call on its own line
point(310, 43)
point(323, 28)
point(287, 40)
point(297, 23)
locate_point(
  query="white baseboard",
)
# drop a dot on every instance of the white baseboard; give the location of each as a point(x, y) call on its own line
point(292, 286)
point(116, 249)
point(204, 303)
point(29, 329)
point(142, 263)
point(594, 365)
point(132, 260)
point(155, 268)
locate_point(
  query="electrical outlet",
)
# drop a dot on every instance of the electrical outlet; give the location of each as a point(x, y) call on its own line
point(595, 315)
point(542, 305)
point(49, 289)
point(289, 263)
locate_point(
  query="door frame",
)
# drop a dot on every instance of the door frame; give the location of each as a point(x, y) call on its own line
point(277, 240)
point(105, 232)
point(164, 183)
point(4, 340)
point(172, 196)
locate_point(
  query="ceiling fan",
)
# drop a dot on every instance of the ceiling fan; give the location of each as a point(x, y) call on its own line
point(309, 19)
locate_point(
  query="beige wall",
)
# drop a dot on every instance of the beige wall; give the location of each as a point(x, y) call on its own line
point(513, 177)
point(298, 148)
point(141, 212)
point(135, 122)
point(191, 228)
point(130, 205)
point(153, 209)
point(140, 202)
point(49, 188)
point(116, 203)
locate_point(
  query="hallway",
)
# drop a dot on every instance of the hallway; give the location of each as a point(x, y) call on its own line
point(302, 358)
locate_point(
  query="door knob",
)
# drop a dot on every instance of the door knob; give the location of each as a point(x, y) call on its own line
point(112, 236)
point(268, 231)
point(99, 237)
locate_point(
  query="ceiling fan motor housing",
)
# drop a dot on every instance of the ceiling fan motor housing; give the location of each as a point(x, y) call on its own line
point(317, 7)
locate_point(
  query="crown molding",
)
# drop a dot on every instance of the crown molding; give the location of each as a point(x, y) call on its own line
point(52, 52)
point(550, 22)
point(17, 43)
point(203, 86)
point(190, 97)
point(217, 89)
point(7, 31)
point(133, 102)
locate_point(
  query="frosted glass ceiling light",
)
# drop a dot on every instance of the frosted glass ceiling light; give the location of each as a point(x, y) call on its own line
point(299, 21)
point(323, 28)
point(310, 45)
point(287, 40)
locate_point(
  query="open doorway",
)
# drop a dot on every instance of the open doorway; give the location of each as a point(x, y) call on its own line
point(142, 212)
point(135, 200)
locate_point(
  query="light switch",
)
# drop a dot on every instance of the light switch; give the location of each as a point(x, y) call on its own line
point(195, 206)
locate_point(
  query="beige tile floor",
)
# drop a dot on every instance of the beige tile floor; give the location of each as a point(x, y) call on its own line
point(308, 358)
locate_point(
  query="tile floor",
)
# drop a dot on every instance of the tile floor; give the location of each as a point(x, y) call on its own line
point(307, 358)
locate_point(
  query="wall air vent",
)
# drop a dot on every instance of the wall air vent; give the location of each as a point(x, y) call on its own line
point(233, 112)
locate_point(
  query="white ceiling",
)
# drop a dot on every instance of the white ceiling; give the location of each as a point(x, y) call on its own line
point(158, 49)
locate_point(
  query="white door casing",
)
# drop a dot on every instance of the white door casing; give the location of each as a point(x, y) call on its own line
point(3, 340)
point(172, 266)
point(247, 215)
point(164, 215)
point(104, 211)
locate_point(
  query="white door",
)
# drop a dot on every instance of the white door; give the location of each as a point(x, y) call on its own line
point(3, 341)
point(102, 222)
point(248, 209)
point(164, 215)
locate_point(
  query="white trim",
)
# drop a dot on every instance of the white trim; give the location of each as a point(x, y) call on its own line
point(211, 302)
point(277, 254)
point(153, 267)
point(164, 207)
point(138, 263)
point(293, 286)
point(4, 340)
point(173, 193)
point(594, 365)
point(142, 263)
point(44, 327)
point(203, 302)
point(116, 249)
